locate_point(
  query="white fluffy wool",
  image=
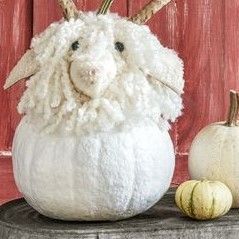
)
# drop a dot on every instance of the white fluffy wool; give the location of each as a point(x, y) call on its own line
point(129, 95)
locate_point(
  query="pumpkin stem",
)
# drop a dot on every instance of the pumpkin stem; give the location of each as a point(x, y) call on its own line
point(233, 110)
point(237, 110)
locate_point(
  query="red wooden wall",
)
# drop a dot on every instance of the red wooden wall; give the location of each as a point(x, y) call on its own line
point(204, 32)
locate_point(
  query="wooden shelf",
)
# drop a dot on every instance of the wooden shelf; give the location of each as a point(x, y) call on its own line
point(18, 220)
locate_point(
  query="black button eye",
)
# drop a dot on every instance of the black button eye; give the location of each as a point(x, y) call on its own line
point(75, 45)
point(119, 46)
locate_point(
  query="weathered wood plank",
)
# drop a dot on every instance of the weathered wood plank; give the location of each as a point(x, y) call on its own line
point(181, 170)
point(48, 11)
point(19, 220)
point(8, 189)
point(209, 37)
point(119, 7)
point(15, 32)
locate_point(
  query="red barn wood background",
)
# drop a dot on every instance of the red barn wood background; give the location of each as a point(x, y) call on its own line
point(204, 32)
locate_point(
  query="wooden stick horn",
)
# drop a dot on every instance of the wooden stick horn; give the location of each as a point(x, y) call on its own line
point(148, 11)
point(105, 6)
point(69, 9)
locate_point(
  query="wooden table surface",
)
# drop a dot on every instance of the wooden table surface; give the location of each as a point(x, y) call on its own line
point(20, 221)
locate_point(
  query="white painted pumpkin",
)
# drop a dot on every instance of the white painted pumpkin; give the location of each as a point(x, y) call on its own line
point(107, 176)
point(214, 153)
point(94, 142)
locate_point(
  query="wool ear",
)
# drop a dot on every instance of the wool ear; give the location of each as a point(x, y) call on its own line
point(26, 67)
point(166, 78)
point(169, 72)
point(158, 82)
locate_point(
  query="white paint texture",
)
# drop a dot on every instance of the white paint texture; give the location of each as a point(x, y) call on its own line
point(105, 176)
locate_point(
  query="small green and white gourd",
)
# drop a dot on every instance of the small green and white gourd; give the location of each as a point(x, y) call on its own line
point(203, 200)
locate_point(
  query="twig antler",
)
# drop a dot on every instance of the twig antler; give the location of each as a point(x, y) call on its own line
point(148, 11)
point(104, 8)
point(69, 9)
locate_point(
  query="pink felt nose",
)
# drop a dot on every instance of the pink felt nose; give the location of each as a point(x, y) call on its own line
point(92, 72)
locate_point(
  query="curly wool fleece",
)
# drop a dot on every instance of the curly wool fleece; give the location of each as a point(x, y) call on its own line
point(129, 97)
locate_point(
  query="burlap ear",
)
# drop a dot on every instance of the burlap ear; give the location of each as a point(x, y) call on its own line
point(26, 67)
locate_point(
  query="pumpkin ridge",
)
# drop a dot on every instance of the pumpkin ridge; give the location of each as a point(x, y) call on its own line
point(74, 185)
point(212, 207)
point(181, 201)
point(221, 147)
point(226, 207)
point(33, 199)
point(191, 203)
point(224, 210)
point(130, 201)
point(213, 201)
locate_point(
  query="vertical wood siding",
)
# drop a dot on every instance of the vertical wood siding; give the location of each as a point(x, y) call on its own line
point(209, 32)
point(15, 35)
point(8, 189)
point(205, 33)
point(47, 11)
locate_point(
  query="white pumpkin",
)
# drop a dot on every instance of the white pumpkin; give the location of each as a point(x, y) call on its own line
point(214, 153)
point(107, 176)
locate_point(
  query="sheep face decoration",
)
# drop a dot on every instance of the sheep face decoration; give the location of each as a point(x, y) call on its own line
point(94, 142)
